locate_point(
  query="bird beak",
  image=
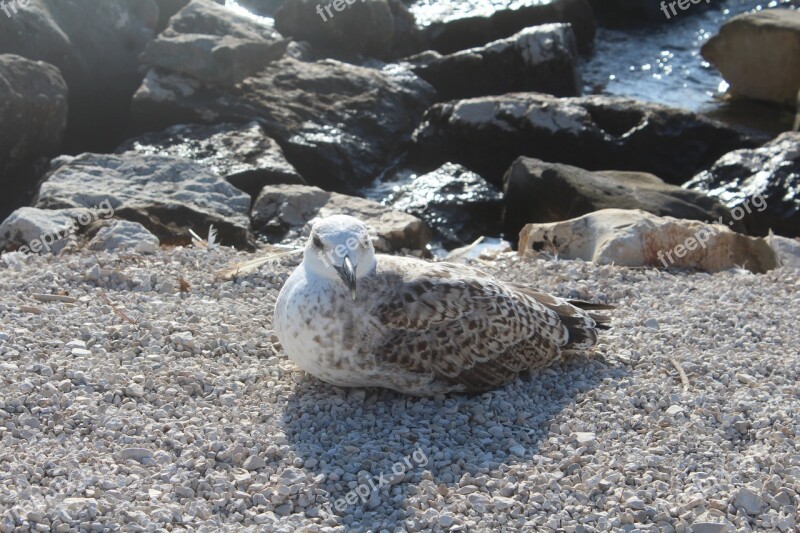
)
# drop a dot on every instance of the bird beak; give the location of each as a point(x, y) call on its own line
point(348, 274)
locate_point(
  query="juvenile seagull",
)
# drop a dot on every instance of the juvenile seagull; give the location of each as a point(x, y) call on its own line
point(356, 319)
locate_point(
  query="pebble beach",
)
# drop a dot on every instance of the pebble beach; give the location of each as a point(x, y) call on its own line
point(142, 393)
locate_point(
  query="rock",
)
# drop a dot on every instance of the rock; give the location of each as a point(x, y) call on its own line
point(537, 191)
point(168, 8)
point(212, 43)
point(788, 250)
point(585, 438)
point(338, 124)
point(51, 228)
point(101, 66)
point(541, 59)
point(167, 195)
point(118, 235)
point(242, 154)
point(625, 12)
point(33, 112)
point(593, 132)
point(748, 501)
point(378, 28)
point(254, 462)
point(709, 527)
point(518, 450)
point(637, 238)
point(758, 54)
point(284, 212)
point(452, 25)
point(652, 323)
point(759, 186)
point(458, 205)
point(137, 454)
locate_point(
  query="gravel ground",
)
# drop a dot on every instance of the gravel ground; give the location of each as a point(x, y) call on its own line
point(134, 405)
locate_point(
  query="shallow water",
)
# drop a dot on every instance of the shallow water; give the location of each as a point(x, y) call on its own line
point(662, 63)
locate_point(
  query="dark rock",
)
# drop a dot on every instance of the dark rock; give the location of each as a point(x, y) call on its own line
point(758, 54)
point(378, 28)
point(96, 46)
point(628, 12)
point(167, 195)
point(338, 124)
point(457, 204)
point(542, 59)
point(33, 115)
point(452, 25)
point(283, 213)
point(761, 185)
point(242, 154)
point(167, 8)
point(592, 132)
point(536, 191)
point(211, 43)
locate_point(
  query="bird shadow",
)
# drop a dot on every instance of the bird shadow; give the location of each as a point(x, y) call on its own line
point(354, 436)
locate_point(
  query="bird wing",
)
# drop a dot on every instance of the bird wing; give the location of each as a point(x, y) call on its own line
point(466, 327)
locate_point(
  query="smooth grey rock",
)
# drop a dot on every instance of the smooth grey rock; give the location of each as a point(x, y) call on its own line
point(637, 238)
point(214, 44)
point(96, 46)
point(51, 228)
point(283, 212)
point(33, 115)
point(452, 25)
point(536, 191)
point(457, 204)
point(541, 59)
point(167, 195)
point(378, 28)
point(748, 501)
point(137, 454)
point(760, 184)
point(788, 250)
point(592, 132)
point(117, 235)
point(242, 154)
point(758, 54)
point(338, 124)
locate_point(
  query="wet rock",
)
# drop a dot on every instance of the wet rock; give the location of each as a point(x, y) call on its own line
point(212, 43)
point(338, 124)
point(100, 66)
point(623, 12)
point(759, 185)
point(638, 238)
point(541, 58)
point(167, 195)
point(283, 213)
point(33, 114)
point(758, 54)
point(536, 191)
point(452, 25)
point(593, 132)
point(457, 204)
point(123, 235)
point(242, 154)
point(378, 28)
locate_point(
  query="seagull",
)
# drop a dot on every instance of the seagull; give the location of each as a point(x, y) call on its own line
point(354, 318)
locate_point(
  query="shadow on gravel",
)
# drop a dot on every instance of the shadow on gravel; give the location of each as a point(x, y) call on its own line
point(354, 435)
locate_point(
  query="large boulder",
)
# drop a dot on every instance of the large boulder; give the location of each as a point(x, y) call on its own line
point(452, 25)
point(379, 28)
point(758, 54)
point(167, 195)
point(284, 212)
point(636, 238)
point(33, 115)
point(240, 153)
point(542, 58)
point(536, 191)
point(96, 46)
point(458, 205)
point(593, 132)
point(761, 186)
point(209, 42)
point(338, 124)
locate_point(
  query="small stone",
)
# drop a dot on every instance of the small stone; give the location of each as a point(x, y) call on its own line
point(80, 352)
point(746, 379)
point(634, 503)
point(585, 438)
point(652, 323)
point(748, 501)
point(517, 450)
point(254, 462)
point(673, 410)
point(446, 520)
point(709, 527)
point(134, 391)
point(137, 454)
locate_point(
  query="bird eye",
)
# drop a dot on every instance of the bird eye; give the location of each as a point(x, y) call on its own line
point(317, 241)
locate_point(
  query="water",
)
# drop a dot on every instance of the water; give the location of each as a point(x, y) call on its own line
point(662, 63)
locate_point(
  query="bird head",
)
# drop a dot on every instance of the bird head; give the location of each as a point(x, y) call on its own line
point(340, 247)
